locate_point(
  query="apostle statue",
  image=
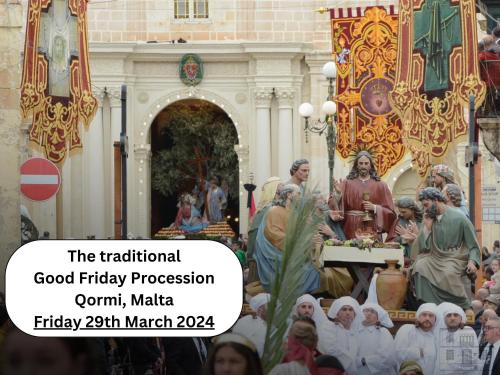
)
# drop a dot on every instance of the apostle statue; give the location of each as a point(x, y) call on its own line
point(270, 193)
point(365, 200)
point(447, 249)
point(408, 224)
point(270, 242)
point(299, 173)
point(443, 175)
point(216, 202)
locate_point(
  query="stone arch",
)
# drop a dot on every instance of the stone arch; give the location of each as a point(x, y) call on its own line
point(164, 101)
point(403, 180)
point(143, 141)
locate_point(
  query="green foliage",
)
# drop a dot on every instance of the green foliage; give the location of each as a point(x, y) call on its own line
point(210, 134)
point(287, 285)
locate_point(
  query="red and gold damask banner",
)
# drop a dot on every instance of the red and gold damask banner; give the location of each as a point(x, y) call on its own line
point(437, 71)
point(364, 47)
point(56, 86)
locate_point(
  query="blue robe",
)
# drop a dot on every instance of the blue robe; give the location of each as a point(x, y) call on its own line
point(216, 200)
point(268, 257)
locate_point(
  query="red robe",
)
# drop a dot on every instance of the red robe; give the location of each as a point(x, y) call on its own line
point(352, 200)
point(490, 69)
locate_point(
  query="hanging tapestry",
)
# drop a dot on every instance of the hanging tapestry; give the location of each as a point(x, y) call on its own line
point(364, 48)
point(437, 71)
point(56, 87)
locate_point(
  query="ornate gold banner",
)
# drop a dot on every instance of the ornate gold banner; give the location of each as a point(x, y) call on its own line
point(364, 46)
point(437, 71)
point(56, 86)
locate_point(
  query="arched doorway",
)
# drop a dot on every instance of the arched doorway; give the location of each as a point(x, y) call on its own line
point(405, 185)
point(191, 141)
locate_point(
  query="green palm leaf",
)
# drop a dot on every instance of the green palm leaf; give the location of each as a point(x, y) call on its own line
point(287, 285)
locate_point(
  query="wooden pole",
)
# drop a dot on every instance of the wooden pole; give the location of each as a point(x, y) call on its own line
point(478, 214)
point(478, 207)
point(118, 190)
point(59, 208)
point(123, 163)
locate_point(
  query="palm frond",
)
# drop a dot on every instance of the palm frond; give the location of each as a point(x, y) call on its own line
point(289, 278)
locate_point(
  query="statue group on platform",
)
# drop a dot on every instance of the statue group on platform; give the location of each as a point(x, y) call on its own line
point(201, 208)
point(438, 240)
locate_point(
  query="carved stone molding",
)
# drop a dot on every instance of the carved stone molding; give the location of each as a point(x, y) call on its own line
point(242, 152)
point(263, 96)
point(142, 152)
point(99, 95)
point(191, 91)
point(285, 97)
point(114, 96)
point(490, 129)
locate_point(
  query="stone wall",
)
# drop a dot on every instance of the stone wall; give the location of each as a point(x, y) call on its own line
point(10, 121)
point(229, 20)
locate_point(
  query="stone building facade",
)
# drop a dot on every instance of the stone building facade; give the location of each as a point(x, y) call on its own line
point(11, 22)
point(262, 59)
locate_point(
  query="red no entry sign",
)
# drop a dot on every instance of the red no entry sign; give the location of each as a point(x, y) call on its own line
point(40, 179)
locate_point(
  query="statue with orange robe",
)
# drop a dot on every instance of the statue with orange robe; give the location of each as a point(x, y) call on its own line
point(270, 242)
point(365, 200)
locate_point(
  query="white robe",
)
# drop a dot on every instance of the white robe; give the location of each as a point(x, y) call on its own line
point(409, 340)
point(335, 340)
point(376, 346)
point(254, 329)
point(458, 352)
point(290, 368)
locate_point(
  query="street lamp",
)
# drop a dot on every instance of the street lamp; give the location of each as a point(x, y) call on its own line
point(329, 108)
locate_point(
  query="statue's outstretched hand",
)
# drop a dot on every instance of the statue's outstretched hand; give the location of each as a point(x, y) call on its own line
point(339, 185)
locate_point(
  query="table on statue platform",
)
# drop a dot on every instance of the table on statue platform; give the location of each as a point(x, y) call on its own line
point(359, 263)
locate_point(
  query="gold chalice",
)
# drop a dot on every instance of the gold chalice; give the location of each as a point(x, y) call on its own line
point(366, 197)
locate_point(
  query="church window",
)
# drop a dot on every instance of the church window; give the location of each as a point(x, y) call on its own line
point(190, 9)
point(181, 8)
point(200, 8)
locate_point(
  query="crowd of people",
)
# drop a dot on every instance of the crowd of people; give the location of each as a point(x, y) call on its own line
point(348, 339)
point(489, 60)
point(358, 339)
point(441, 253)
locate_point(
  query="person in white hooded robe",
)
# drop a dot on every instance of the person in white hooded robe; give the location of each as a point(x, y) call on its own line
point(307, 305)
point(337, 336)
point(375, 342)
point(416, 342)
point(254, 327)
point(457, 345)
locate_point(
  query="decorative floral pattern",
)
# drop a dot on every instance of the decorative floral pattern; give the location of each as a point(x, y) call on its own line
point(430, 122)
point(365, 78)
point(56, 119)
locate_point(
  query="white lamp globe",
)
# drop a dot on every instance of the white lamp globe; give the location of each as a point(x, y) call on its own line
point(306, 110)
point(329, 107)
point(329, 70)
